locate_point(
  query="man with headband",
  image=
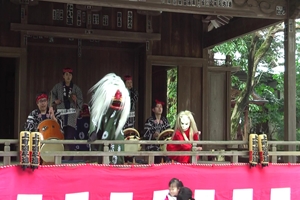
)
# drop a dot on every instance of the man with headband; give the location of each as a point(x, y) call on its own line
point(133, 99)
point(43, 112)
point(67, 98)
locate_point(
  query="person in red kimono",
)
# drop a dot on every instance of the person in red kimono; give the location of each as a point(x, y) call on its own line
point(185, 130)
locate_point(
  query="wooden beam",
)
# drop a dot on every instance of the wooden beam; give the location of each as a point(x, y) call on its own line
point(237, 9)
point(12, 52)
point(235, 28)
point(176, 61)
point(82, 33)
point(223, 69)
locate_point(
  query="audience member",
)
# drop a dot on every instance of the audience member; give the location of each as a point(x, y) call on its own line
point(178, 191)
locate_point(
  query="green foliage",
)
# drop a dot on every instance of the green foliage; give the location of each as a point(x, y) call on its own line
point(237, 83)
point(270, 113)
point(172, 96)
point(269, 86)
point(237, 49)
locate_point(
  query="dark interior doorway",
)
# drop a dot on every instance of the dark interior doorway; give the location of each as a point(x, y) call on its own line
point(164, 82)
point(7, 100)
point(159, 84)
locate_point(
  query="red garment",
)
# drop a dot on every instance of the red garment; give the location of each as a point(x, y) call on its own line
point(181, 147)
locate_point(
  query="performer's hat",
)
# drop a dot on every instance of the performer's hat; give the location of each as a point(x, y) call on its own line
point(41, 95)
point(127, 78)
point(67, 69)
point(155, 102)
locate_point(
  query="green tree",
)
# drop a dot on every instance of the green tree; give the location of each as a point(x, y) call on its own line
point(254, 49)
point(172, 96)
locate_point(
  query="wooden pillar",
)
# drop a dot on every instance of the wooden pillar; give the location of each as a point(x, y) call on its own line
point(246, 124)
point(205, 81)
point(148, 71)
point(21, 87)
point(204, 117)
point(227, 135)
point(21, 77)
point(290, 85)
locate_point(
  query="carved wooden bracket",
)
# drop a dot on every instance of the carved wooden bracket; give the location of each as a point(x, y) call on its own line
point(293, 9)
point(214, 21)
point(25, 2)
point(150, 13)
point(276, 7)
point(92, 8)
point(264, 9)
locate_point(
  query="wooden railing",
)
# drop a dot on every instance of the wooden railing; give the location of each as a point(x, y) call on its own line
point(233, 153)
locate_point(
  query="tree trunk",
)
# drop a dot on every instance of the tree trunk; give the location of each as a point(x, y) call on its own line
point(254, 57)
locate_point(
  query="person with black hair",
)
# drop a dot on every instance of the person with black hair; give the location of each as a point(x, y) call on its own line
point(67, 98)
point(178, 191)
point(185, 193)
point(41, 113)
point(154, 125)
point(174, 187)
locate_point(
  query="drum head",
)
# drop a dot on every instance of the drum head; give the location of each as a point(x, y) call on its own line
point(130, 131)
point(132, 147)
point(50, 147)
point(165, 134)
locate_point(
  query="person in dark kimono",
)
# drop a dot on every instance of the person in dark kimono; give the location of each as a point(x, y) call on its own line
point(41, 113)
point(133, 99)
point(67, 98)
point(110, 107)
point(154, 125)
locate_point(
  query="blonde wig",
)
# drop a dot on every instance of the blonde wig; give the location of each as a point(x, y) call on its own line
point(193, 125)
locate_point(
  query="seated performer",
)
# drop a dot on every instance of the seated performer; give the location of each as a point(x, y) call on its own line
point(154, 125)
point(110, 107)
point(43, 112)
point(185, 130)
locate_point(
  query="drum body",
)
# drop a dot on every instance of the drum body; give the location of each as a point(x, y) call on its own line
point(132, 135)
point(166, 135)
point(50, 147)
point(50, 130)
